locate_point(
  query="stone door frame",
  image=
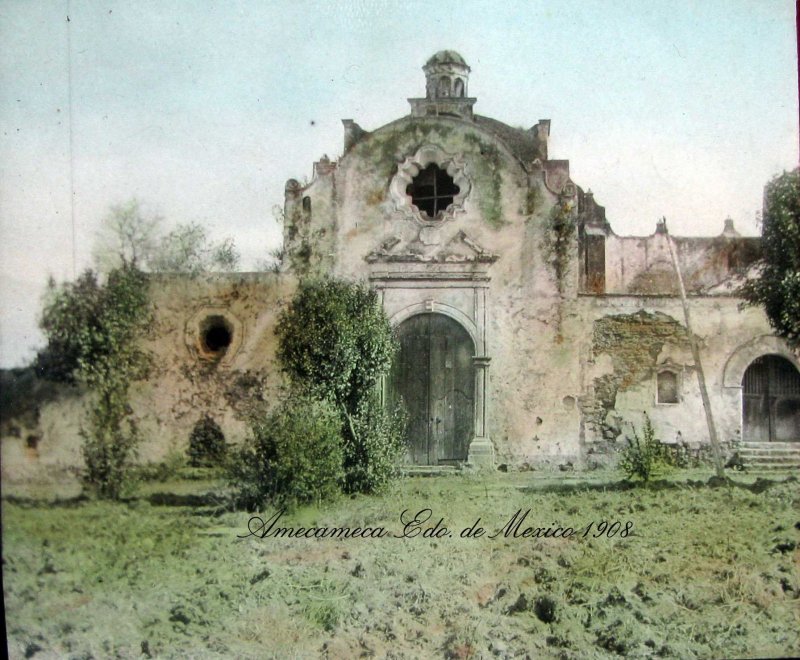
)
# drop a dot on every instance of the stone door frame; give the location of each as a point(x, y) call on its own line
point(406, 294)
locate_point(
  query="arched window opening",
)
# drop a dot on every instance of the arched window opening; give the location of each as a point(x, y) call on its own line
point(444, 86)
point(432, 191)
point(458, 88)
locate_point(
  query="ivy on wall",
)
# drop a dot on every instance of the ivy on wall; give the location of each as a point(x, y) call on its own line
point(558, 241)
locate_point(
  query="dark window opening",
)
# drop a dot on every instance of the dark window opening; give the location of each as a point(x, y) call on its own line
point(595, 263)
point(458, 88)
point(444, 86)
point(432, 191)
point(667, 386)
point(216, 335)
point(307, 204)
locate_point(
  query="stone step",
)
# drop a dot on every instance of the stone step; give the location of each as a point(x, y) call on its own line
point(774, 445)
point(768, 452)
point(773, 466)
point(428, 470)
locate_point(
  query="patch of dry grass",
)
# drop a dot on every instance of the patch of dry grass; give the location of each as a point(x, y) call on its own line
point(704, 572)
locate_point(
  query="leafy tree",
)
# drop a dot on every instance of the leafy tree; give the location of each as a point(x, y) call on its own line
point(187, 249)
point(93, 330)
point(334, 338)
point(127, 237)
point(777, 286)
point(335, 341)
point(130, 237)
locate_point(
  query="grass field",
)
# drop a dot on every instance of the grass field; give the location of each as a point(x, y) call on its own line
point(690, 571)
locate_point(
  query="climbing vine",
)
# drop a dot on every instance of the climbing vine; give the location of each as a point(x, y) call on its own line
point(558, 240)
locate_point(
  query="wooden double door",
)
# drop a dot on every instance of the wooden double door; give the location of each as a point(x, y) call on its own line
point(771, 400)
point(434, 378)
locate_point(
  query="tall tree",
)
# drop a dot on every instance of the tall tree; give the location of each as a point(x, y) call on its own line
point(93, 331)
point(129, 236)
point(777, 285)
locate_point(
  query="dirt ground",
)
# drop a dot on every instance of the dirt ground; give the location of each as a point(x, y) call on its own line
point(692, 569)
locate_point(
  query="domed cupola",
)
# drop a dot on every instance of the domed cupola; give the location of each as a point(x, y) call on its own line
point(446, 79)
point(446, 75)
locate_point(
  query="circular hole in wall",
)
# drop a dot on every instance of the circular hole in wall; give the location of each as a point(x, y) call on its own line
point(216, 334)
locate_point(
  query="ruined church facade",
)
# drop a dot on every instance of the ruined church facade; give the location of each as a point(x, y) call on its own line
point(530, 333)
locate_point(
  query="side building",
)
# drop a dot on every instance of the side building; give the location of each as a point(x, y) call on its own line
point(531, 334)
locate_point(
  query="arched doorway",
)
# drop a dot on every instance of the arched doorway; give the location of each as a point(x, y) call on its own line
point(434, 377)
point(771, 400)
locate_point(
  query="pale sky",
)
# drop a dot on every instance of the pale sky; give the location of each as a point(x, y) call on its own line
point(202, 110)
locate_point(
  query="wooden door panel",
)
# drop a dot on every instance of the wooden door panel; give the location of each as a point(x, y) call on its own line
point(771, 400)
point(434, 377)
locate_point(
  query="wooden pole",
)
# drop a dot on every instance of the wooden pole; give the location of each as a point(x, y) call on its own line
point(701, 378)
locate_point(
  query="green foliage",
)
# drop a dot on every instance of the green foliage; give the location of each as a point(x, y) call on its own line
point(777, 286)
point(93, 331)
point(295, 455)
point(336, 342)
point(169, 468)
point(129, 237)
point(645, 457)
point(558, 240)
point(374, 446)
point(489, 180)
point(207, 446)
point(533, 200)
point(188, 249)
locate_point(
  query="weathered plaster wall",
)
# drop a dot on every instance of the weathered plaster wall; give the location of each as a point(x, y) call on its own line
point(632, 336)
point(642, 264)
point(185, 383)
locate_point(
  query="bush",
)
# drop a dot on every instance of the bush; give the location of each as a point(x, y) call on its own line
point(644, 457)
point(294, 456)
point(207, 446)
point(335, 341)
point(373, 447)
point(109, 450)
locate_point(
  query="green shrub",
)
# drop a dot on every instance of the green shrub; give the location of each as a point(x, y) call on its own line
point(109, 450)
point(164, 470)
point(207, 446)
point(645, 457)
point(335, 341)
point(294, 456)
point(373, 447)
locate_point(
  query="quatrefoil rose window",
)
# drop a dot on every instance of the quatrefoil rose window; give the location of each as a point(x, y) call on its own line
point(430, 186)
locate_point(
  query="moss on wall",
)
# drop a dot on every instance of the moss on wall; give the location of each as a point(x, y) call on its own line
point(386, 150)
point(533, 201)
point(488, 179)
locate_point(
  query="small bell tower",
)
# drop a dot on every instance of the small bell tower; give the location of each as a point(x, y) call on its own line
point(446, 85)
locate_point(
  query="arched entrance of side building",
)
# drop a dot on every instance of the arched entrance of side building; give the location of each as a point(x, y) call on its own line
point(434, 376)
point(771, 400)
